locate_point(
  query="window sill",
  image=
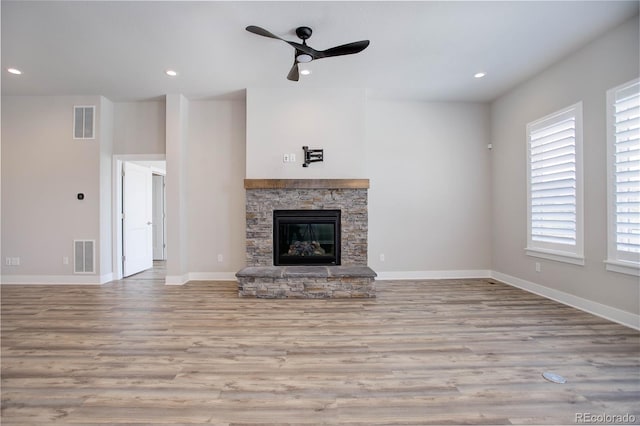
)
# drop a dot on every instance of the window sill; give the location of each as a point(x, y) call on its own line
point(629, 268)
point(558, 256)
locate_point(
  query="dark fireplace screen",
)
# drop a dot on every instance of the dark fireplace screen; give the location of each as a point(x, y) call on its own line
point(306, 237)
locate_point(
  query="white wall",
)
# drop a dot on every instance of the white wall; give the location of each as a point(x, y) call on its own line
point(43, 168)
point(584, 76)
point(284, 120)
point(139, 127)
point(429, 201)
point(215, 207)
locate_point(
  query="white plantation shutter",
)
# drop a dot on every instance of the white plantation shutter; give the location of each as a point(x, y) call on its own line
point(624, 176)
point(553, 184)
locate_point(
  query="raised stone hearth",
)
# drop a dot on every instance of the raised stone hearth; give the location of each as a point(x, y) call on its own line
point(350, 278)
point(309, 282)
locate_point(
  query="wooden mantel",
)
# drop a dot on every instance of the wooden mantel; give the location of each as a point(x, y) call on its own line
point(306, 183)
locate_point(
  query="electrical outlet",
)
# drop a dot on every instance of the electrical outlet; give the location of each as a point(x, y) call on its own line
point(12, 261)
point(285, 158)
point(65, 260)
point(220, 258)
point(382, 258)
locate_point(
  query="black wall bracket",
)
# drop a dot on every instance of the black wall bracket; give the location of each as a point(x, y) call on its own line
point(312, 156)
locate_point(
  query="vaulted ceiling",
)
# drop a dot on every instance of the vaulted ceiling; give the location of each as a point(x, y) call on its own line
point(419, 49)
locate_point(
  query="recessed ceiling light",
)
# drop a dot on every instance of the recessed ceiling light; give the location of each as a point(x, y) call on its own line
point(15, 71)
point(171, 73)
point(479, 74)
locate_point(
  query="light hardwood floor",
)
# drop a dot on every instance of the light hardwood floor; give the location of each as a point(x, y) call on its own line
point(423, 352)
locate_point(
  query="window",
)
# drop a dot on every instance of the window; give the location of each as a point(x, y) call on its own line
point(554, 178)
point(623, 149)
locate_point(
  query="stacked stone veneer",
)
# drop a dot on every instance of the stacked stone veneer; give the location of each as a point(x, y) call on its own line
point(353, 278)
point(262, 202)
point(308, 282)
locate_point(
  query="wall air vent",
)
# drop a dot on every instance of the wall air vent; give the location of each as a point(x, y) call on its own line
point(83, 255)
point(84, 122)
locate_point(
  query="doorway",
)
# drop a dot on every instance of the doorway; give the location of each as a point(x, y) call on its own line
point(139, 228)
point(159, 217)
point(156, 274)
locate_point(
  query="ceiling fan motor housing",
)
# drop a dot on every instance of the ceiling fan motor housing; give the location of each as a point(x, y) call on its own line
point(303, 32)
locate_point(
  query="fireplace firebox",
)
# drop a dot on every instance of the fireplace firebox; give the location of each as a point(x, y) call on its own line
point(306, 237)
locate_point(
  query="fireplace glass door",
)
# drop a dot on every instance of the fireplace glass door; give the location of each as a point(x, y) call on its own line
point(306, 237)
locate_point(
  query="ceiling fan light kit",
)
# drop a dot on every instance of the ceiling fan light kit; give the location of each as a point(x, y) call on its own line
point(304, 54)
point(304, 58)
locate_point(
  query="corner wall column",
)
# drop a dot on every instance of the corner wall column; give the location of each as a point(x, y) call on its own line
point(177, 119)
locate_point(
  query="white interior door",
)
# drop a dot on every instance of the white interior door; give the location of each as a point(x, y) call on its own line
point(137, 210)
point(158, 218)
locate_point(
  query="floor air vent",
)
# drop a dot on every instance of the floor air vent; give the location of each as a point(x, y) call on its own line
point(83, 254)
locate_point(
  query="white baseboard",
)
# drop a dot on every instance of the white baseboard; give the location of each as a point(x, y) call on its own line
point(107, 278)
point(57, 279)
point(212, 276)
point(433, 275)
point(199, 276)
point(607, 312)
point(176, 279)
point(390, 275)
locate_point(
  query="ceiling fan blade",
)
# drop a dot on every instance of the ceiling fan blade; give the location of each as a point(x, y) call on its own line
point(301, 47)
point(262, 32)
point(345, 49)
point(293, 73)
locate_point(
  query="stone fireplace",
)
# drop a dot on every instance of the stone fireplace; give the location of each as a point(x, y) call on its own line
point(348, 277)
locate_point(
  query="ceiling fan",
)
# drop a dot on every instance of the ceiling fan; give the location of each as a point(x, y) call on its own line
point(304, 53)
